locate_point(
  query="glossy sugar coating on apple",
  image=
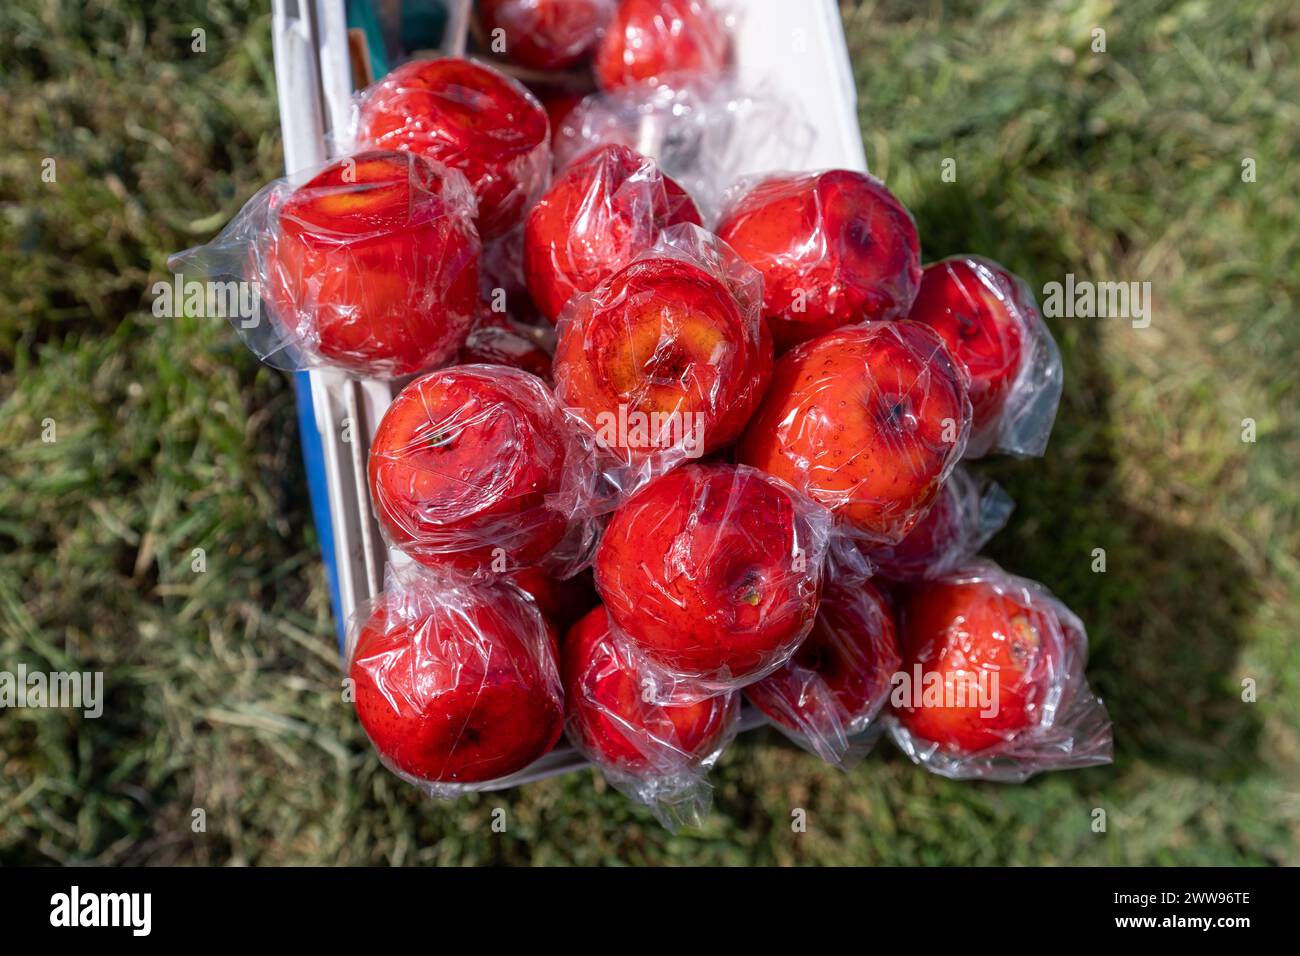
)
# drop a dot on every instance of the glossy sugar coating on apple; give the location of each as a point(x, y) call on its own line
point(967, 512)
point(839, 678)
point(868, 420)
point(992, 684)
point(668, 358)
point(372, 265)
point(835, 248)
point(456, 683)
point(713, 572)
point(597, 216)
point(653, 42)
point(989, 321)
point(472, 118)
point(547, 34)
point(476, 468)
point(612, 720)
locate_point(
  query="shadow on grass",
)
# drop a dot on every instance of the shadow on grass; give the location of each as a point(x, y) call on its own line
point(1168, 617)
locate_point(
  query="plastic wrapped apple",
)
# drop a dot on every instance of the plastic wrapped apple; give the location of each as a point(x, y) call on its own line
point(667, 358)
point(868, 420)
point(472, 118)
point(652, 42)
point(827, 696)
point(455, 683)
point(835, 248)
point(547, 34)
point(654, 748)
point(990, 322)
point(994, 685)
point(599, 213)
point(713, 572)
point(370, 266)
point(476, 468)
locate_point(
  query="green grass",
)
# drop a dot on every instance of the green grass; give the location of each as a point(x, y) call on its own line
point(224, 685)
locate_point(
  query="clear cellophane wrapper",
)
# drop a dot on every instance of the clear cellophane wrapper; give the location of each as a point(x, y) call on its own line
point(370, 266)
point(969, 510)
point(828, 696)
point(470, 116)
point(869, 421)
point(653, 737)
point(456, 682)
point(699, 134)
point(1020, 423)
point(713, 574)
point(668, 358)
point(988, 625)
point(477, 469)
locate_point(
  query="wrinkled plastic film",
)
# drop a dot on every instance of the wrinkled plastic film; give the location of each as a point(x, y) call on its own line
point(370, 267)
point(477, 469)
point(991, 322)
point(713, 574)
point(653, 743)
point(598, 215)
point(498, 339)
point(667, 359)
point(469, 116)
point(826, 698)
point(699, 135)
point(456, 683)
point(1010, 698)
point(834, 247)
point(968, 511)
point(869, 421)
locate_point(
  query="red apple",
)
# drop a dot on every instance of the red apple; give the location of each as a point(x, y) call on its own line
point(547, 34)
point(984, 317)
point(456, 683)
point(868, 420)
point(472, 118)
point(835, 248)
point(713, 572)
point(475, 467)
point(609, 718)
point(671, 342)
point(600, 212)
point(372, 265)
point(839, 678)
point(973, 635)
point(650, 42)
